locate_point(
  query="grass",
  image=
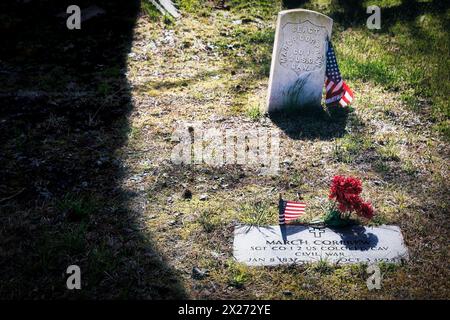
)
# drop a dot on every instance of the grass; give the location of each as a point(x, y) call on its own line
point(254, 112)
point(389, 151)
point(238, 274)
point(322, 267)
point(374, 145)
point(190, 6)
point(154, 14)
point(350, 146)
point(123, 219)
point(403, 56)
point(80, 208)
point(209, 220)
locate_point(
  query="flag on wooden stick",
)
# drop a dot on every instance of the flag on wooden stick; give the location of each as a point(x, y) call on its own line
point(337, 91)
point(290, 210)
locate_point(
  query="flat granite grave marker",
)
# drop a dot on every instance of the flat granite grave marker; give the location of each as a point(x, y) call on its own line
point(297, 72)
point(297, 244)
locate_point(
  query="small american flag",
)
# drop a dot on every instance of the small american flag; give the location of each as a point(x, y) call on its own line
point(290, 210)
point(337, 91)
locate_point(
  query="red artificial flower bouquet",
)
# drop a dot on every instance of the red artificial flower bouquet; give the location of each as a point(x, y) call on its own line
point(345, 191)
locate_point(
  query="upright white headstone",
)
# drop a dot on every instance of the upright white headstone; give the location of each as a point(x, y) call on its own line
point(297, 72)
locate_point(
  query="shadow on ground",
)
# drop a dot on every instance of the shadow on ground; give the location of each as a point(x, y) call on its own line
point(64, 106)
point(312, 124)
point(354, 12)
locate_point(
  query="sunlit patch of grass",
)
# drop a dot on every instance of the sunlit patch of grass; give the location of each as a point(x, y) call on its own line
point(254, 113)
point(104, 88)
point(323, 267)
point(409, 167)
point(258, 213)
point(389, 151)
point(444, 128)
point(410, 99)
point(191, 6)
point(365, 59)
point(255, 8)
point(379, 219)
point(387, 268)
point(404, 56)
point(150, 11)
point(209, 220)
point(70, 241)
point(238, 274)
point(153, 14)
point(349, 147)
point(381, 166)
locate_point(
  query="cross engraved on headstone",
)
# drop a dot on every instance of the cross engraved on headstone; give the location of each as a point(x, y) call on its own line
point(317, 232)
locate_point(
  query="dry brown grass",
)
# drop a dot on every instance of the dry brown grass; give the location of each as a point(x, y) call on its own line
point(102, 192)
point(404, 166)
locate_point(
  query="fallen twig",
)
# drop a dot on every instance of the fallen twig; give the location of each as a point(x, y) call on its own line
point(12, 196)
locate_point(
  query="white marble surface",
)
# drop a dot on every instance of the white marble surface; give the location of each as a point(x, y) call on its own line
point(298, 60)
